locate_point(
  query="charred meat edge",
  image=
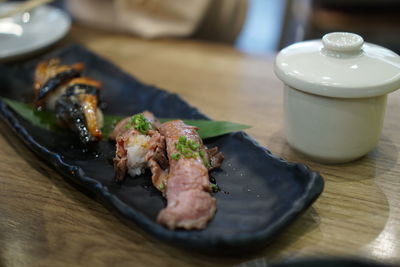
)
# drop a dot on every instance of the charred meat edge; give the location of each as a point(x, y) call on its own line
point(50, 74)
point(78, 109)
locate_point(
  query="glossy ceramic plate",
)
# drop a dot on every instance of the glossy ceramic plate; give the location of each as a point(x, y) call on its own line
point(261, 193)
point(31, 31)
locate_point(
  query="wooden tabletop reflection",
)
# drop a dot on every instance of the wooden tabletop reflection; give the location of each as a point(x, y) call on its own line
point(46, 221)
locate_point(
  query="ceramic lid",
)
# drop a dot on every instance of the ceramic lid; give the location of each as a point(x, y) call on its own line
point(339, 65)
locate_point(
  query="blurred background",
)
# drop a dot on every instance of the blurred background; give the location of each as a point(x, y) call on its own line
point(260, 26)
point(273, 24)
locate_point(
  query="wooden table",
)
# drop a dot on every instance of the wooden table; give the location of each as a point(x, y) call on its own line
point(45, 221)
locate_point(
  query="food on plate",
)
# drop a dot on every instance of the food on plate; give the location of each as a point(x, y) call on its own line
point(74, 99)
point(179, 162)
point(139, 145)
point(189, 203)
point(173, 151)
point(50, 74)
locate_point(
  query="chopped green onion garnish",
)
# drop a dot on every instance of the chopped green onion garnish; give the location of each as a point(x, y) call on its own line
point(180, 147)
point(215, 187)
point(202, 153)
point(189, 148)
point(140, 123)
point(176, 156)
point(206, 164)
point(186, 152)
point(193, 145)
point(182, 139)
point(162, 186)
point(203, 157)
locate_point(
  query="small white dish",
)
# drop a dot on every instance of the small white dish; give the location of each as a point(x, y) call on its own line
point(335, 95)
point(31, 31)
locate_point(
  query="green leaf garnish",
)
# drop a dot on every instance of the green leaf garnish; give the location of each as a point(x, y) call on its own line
point(40, 118)
point(109, 122)
point(48, 121)
point(208, 129)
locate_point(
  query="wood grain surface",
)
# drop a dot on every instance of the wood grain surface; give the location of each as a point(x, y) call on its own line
point(45, 221)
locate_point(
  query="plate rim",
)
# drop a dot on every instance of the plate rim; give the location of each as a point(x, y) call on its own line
point(53, 38)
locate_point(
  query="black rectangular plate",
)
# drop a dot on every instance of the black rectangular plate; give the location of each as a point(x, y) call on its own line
point(261, 193)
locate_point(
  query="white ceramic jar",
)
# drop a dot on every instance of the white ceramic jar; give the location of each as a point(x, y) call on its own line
point(335, 95)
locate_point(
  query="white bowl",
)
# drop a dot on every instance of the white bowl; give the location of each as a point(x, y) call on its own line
point(335, 95)
point(332, 130)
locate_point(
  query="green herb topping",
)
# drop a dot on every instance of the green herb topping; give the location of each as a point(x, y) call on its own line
point(176, 156)
point(189, 148)
point(214, 187)
point(140, 123)
point(161, 186)
point(182, 139)
point(203, 157)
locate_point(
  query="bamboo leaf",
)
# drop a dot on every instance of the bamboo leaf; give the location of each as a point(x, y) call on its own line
point(40, 118)
point(48, 120)
point(109, 122)
point(208, 128)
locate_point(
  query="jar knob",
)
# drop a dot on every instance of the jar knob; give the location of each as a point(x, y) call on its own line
point(342, 42)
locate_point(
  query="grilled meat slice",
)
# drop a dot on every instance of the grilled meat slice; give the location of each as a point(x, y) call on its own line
point(136, 150)
point(87, 92)
point(77, 108)
point(191, 210)
point(122, 125)
point(179, 163)
point(69, 113)
point(49, 75)
point(189, 204)
point(157, 160)
point(75, 100)
point(131, 148)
